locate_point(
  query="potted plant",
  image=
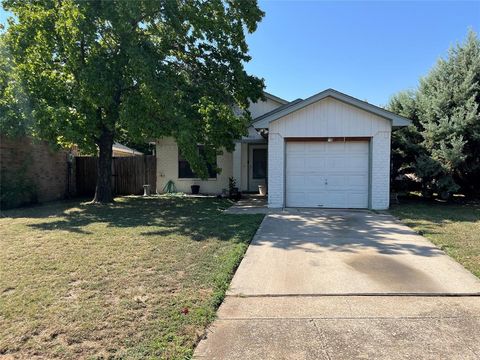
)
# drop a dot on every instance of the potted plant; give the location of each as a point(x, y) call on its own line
point(195, 189)
point(233, 189)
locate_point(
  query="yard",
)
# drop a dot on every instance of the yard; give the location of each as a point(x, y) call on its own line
point(137, 279)
point(453, 227)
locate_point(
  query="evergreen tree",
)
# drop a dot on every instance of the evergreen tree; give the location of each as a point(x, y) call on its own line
point(406, 140)
point(448, 102)
point(443, 144)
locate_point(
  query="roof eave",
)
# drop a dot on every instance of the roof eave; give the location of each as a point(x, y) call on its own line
point(397, 121)
point(275, 98)
point(401, 122)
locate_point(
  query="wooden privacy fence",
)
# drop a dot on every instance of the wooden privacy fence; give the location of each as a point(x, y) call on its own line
point(129, 174)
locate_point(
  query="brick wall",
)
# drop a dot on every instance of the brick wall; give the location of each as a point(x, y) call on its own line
point(380, 168)
point(45, 166)
point(276, 160)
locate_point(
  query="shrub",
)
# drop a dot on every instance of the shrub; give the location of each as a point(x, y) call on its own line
point(17, 189)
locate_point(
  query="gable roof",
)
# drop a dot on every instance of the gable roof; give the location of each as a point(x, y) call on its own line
point(275, 98)
point(265, 119)
point(280, 108)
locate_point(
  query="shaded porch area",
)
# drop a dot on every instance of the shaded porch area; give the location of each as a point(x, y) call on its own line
point(250, 163)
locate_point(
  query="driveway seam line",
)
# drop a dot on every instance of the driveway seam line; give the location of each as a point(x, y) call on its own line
point(476, 294)
point(349, 318)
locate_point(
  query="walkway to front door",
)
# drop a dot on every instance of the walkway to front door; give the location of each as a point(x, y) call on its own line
point(330, 284)
point(250, 204)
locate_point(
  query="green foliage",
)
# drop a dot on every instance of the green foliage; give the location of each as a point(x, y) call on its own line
point(170, 187)
point(405, 141)
point(442, 147)
point(17, 189)
point(232, 184)
point(94, 70)
point(14, 105)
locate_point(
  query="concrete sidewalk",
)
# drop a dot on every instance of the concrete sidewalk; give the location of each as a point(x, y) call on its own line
point(250, 204)
point(318, 284)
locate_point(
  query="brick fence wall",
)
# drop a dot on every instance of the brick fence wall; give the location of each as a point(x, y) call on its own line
point(45, 166)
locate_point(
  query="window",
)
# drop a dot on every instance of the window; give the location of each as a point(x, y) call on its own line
point(259, 165)
point(185, 171)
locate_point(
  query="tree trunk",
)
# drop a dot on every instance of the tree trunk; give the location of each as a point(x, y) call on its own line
point(103, 190)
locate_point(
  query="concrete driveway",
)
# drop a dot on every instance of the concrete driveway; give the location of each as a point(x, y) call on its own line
point(337, 284)
point(312, 252)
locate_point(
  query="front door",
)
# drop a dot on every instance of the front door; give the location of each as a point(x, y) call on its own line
point(257, 166)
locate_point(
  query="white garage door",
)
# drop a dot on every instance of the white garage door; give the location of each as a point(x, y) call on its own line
point(329, 175)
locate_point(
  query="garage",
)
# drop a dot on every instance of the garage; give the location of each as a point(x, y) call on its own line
point(330, 150)
point(327, 174)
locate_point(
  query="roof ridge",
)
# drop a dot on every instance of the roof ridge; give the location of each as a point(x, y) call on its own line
point(348, 99)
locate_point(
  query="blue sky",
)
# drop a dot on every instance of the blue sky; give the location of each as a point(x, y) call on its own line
point(369, 50)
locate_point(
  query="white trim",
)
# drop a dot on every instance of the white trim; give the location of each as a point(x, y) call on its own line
point(397, 120)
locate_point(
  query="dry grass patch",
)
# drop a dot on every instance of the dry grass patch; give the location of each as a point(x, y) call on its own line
point(137, 279)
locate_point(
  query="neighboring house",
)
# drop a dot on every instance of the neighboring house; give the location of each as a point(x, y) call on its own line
point(330, 150)
point(119, 150)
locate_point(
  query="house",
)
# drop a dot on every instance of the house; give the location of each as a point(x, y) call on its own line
point(330, 150)
point(118, 150)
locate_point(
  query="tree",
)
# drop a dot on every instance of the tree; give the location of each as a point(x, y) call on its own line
point(443, 146)
point(97, 70)
point(406, 140)
point(13, 101)
point(449, 99)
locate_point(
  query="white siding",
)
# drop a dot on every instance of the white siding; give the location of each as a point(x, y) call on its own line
point(261, 107)
point(252, 134)
point(331, 118)
point(167, 169)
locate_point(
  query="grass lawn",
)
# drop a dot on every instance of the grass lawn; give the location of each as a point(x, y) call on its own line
point(453, 227)
point(137, 279)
